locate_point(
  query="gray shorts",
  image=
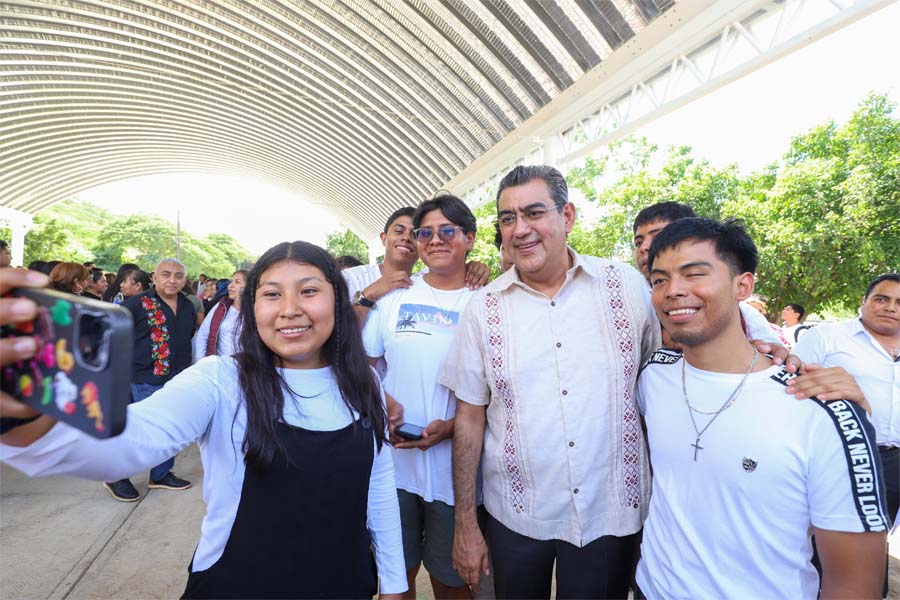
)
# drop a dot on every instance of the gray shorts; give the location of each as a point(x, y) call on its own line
point(428, 537)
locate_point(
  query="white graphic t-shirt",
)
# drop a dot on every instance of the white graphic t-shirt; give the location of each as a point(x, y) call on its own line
point(412, 329)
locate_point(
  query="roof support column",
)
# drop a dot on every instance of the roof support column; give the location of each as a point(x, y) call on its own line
point(554, 151)
point(376, 249)
point(19, 223)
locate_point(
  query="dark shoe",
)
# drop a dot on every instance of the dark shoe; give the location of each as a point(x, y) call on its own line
point(170, 482)
point(122, 491)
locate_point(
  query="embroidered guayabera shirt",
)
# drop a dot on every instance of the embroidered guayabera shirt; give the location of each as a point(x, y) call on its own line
point(564, 453)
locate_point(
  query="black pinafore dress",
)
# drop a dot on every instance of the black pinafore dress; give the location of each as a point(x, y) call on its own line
point(300, 529)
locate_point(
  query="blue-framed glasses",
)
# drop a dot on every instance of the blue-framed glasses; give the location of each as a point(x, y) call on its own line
point(445, 232)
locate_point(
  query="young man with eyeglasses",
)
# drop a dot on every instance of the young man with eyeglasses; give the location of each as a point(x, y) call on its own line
point(412, 330)
point(741, 477)
point(370, 283)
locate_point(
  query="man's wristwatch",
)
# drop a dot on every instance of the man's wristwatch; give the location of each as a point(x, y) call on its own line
point(360, 298)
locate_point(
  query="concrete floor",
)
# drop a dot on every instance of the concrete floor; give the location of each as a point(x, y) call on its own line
point(66, 538)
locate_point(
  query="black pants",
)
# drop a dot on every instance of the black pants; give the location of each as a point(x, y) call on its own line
point(890, 465)
point(523, 567)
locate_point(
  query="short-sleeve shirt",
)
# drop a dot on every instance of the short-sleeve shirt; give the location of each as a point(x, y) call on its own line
point(564, 455)
point(849, 345)
point(360, 277)
point(736, 522)
point(412, 329)
point(180, 328)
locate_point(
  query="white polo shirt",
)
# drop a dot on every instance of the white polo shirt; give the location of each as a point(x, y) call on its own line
point(736, 523)
point(848, 344)
point(564, 454)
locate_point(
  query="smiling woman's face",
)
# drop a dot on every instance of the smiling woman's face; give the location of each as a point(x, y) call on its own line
point(294, 309)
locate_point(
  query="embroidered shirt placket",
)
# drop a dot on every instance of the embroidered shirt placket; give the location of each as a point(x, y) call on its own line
point(621, 325)
point(511, 456)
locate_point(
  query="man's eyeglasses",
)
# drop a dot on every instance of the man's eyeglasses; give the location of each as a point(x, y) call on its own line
point(445, 232)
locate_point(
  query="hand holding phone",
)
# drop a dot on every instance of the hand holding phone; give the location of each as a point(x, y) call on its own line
point(424, 438)
point(408, 431)
point(80, 370)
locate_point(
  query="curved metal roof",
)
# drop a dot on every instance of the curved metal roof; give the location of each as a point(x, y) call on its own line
point(362, 106)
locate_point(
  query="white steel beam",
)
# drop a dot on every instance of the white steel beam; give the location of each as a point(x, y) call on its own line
point(691, 50)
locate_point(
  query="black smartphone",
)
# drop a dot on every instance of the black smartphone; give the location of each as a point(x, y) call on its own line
point(409, 431)
point(81, 374)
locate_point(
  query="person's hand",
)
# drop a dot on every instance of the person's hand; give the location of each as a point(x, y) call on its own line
point(395, 418)
point(470, 554)
point(383, 286)
point(477, 275)
point(14, 349)
point(780, 355)
point(832, 383)
point(434, 433)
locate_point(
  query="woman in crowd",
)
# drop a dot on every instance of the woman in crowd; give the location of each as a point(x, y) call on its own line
point(112, 292)
point(69, 277)
point(134, 282)
point(412, 330)
point(221, 329)
point(96, 285)
point(298, 482)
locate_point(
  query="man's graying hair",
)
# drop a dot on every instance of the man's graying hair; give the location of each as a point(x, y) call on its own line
point(174, 261)
point(556, 183)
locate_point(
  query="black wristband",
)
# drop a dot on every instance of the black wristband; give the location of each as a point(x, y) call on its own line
point(9, 423)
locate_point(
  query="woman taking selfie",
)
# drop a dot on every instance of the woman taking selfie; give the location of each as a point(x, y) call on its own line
point(298, 483)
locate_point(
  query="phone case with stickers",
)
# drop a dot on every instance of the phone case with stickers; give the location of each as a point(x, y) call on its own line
point(81, 374)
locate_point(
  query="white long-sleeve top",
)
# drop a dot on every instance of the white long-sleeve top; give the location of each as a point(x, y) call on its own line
point(227, 340)
point(203, 403)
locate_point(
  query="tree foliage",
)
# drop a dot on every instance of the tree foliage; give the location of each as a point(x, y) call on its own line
point(826, 217)
point(347, 243)
point(80, 231)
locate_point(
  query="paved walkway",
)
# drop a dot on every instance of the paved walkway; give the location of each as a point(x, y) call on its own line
point(66, 538)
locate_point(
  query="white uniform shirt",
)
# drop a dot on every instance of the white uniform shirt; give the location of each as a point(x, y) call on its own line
point(757, 326)
point(848, 344)
point(200, 404)
point(564, 455)
point(226, 341)
point(736, 523)
point(361, 277)
point(412, 330)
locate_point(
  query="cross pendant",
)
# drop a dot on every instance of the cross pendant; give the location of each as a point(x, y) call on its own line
point(697, 448)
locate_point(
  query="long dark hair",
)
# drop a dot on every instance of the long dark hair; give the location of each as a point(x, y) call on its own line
point(263, 385)
point(113, 289)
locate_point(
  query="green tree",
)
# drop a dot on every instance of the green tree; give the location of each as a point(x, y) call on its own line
point(339, 244)
point(827, 220)
point(48, 239)
point(621, 182)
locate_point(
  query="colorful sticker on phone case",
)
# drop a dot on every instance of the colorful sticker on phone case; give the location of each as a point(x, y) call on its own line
point(66, 393)
point(26, 385)
point(45, 355)
point(47, 391)
point(90, 398)
point(60, 313)
point(64, 359)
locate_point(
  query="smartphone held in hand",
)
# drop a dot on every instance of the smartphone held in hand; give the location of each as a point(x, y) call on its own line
point(408, 431)
point(81, 374)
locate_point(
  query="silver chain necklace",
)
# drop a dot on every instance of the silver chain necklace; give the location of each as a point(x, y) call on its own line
point(731, 400)
point(438, 302)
